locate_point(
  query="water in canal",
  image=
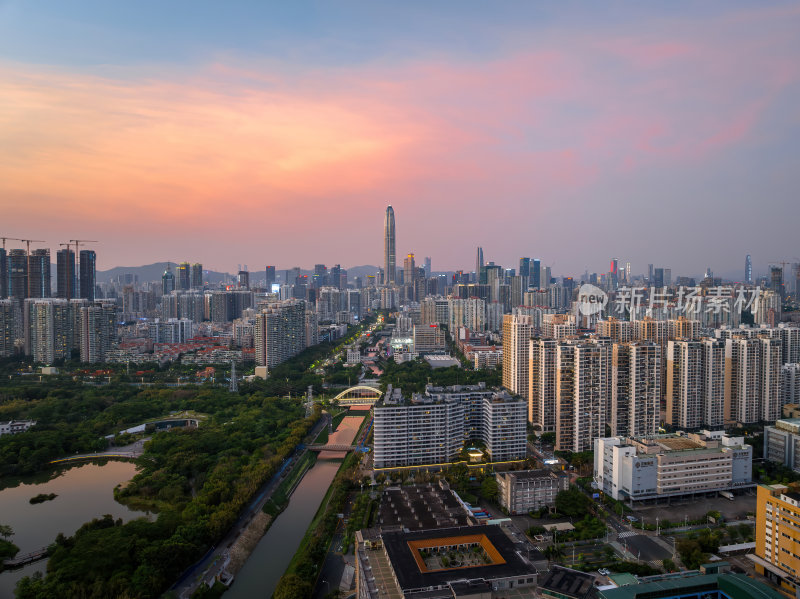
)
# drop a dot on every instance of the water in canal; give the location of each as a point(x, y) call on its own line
point(84, 492)
point(260, 574)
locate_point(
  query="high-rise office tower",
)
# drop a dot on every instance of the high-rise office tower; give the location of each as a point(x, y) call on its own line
point(167, 281)
point(748, 270)
point(536, 280)
point(613, 273)
point(389, 257)
point(650, 274)
point(3, 273)
point(184, 281)
point(335, 276)
point(270, 270)
point(516, 335)
point(39, 273)
point(320, 276)
point(18, 274)
point(66, 279)
point(478, 264)
point(427, 266)
point(525, 267)
point(87, 274)
point(409, 270)
point(243, 279)
point(197, 275)
point(776, 279)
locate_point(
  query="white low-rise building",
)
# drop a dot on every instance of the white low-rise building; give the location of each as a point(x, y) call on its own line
point(12, 427)
point(671, 465)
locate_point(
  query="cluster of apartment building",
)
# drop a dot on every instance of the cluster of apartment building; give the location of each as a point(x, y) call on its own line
point(579, 385)
point(435, 426)
point(50, 329)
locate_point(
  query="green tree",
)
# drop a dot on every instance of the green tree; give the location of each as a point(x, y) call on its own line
point(292, 586)
point(572, 502)
point(489, 488)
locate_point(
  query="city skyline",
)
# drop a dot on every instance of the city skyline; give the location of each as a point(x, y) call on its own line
point(642, 130)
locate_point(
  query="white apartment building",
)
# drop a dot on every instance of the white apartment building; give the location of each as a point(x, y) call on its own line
point(517, 330)
point(558, 326)
point(432, 428)
point(790, 384)
point(673, 465)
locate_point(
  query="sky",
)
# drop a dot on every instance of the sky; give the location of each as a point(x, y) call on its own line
point(278, 132)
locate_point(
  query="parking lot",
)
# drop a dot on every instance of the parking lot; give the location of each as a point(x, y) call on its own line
point(698, 508)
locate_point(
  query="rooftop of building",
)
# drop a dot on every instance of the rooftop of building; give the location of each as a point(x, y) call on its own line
point(432, 395)
point(532, 474)
point(421, 507)
point(691, 585)
point(507, 561)
point(569, 583)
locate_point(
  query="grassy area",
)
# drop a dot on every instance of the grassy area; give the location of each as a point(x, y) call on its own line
point(322, 437)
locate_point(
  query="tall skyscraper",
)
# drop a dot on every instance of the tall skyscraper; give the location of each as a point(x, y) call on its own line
point(3, 274)
point(525, 267)
point(97, 331)
point(270, 270)
point(389, 257)
point(427, 266)
point(167, 281)
point(197, 275)
point(184, 276)
point(39, 273)
point(536, 281)
point(478, 264)
point(88, 274)
point(243, 279)
point(66, 279)
point(613, 273)
point(748, 270)
point(18, 274)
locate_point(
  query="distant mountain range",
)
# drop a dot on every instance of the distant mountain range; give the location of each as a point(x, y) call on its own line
point(153, 272)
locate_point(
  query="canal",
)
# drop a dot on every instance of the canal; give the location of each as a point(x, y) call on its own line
point(84, 492)
point(265, 566)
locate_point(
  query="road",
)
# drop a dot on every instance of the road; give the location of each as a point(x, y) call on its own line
point(134, 450)
point(214, 561)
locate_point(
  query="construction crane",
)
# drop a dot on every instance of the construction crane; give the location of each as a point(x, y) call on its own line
point(78, 242)
point(28, 243)
point(11, 239)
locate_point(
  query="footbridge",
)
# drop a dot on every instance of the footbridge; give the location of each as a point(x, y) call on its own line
point(359, 395)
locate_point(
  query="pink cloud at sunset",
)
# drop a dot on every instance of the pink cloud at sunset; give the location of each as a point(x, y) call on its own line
point(250, 154)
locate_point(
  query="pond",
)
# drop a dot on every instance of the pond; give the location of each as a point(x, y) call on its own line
point(83, 492)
